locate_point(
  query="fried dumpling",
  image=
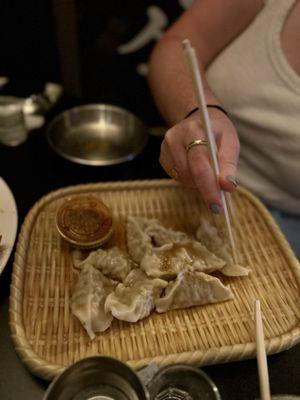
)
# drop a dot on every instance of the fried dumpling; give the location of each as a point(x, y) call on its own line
point(138, 242)
point(134, 299)
point(89, 295)
point(208, 235)
point(189, 255)
point(203, 259)
point(191, 289)
point(145, 235)
point(114, 262)
point(165, 265)
point(162, 236)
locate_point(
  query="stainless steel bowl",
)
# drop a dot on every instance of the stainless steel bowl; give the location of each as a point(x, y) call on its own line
point(97, 378)
point(97, 134)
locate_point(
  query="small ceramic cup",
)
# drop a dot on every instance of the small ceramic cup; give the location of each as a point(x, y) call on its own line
point(13, 130)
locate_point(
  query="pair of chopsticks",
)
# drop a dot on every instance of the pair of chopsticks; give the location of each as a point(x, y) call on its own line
point(199, 92)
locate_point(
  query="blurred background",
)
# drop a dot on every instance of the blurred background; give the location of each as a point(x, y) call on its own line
point(97, 50)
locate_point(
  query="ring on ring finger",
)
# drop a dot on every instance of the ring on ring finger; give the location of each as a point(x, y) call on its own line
point(174, 172)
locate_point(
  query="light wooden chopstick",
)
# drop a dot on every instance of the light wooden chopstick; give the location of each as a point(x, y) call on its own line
point(199, 93)
point(261, 354)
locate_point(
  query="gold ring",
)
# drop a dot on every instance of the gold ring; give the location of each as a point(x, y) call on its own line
point(174, 172)
point(197, 142)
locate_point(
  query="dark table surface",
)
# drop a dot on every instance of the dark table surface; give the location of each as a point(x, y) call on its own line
point(32, 170)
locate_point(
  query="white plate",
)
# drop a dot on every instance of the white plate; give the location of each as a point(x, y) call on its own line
point(8, 223)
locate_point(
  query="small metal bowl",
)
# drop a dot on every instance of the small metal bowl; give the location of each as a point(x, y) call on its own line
point(97, 134)
point(97, 378)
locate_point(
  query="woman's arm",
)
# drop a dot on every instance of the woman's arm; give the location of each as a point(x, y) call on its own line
point(210, 25)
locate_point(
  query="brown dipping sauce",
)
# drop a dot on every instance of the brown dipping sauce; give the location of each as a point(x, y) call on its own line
point(84, 221)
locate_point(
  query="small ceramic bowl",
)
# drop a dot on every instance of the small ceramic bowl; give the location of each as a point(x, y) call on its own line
point(84, 222)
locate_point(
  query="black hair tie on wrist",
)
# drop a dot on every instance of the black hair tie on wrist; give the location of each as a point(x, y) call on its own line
point(207, 105)
point(191, 112)
point(218, 108)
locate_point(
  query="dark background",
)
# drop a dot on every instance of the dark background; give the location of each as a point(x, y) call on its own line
point(28, 45)
point(75, 43)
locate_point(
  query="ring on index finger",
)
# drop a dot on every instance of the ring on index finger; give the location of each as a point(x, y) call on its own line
point(198, 142)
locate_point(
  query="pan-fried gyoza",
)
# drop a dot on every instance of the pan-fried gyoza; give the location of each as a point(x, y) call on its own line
point(163, 269)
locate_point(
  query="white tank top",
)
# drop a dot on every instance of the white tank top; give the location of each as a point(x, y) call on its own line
point(254, 81)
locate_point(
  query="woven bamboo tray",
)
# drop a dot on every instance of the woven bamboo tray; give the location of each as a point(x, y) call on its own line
point(48, 338)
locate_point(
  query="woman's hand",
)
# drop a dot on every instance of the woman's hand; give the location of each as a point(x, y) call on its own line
point(193, 167)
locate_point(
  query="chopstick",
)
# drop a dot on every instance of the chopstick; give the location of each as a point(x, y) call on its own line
point(261, 354)
point(199, 92)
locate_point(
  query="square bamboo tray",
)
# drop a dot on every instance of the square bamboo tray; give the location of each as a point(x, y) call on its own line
point(48, 337)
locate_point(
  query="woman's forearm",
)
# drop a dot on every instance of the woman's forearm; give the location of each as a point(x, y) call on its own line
point(171, 83)
point(210, 25)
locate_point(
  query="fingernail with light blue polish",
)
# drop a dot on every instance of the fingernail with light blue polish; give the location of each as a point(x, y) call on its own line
point(232, 180)
point(215, 208)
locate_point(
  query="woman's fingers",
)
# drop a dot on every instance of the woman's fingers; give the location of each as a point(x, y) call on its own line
point(191, 165)
point(167, 162)
point(173, 154)
point(228, 155)
point(204, 177)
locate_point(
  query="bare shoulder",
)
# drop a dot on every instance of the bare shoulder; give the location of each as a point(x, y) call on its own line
point(212, 24)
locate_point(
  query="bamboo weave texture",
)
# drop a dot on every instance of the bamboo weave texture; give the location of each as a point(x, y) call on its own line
point(48, 337)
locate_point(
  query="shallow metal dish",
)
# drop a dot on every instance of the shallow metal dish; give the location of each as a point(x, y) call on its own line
point(97, 134)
